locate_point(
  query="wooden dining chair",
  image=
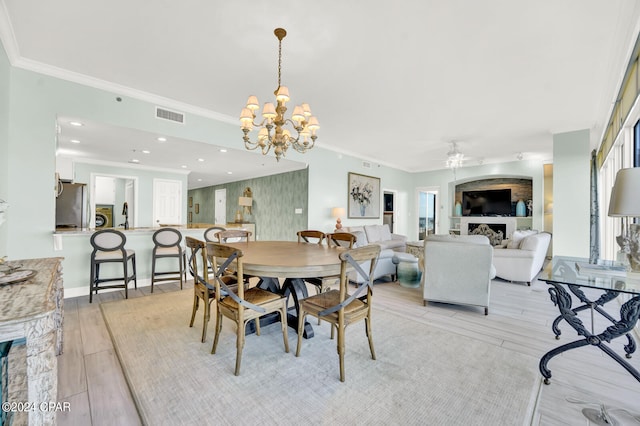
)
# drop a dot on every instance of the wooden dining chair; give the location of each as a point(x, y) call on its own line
point(210, 233)
point(338, 307)
point(202, 289)
point(341, 239)
point(311, 236)
point(236, 235)
point(241, 305)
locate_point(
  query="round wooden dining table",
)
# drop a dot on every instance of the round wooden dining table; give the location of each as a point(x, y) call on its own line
point(292, 261)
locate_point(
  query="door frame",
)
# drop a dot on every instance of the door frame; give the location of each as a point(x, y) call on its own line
point(438, 207)
point(92, 201)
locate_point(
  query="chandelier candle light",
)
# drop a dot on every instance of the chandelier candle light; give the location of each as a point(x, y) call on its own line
point(272, 131)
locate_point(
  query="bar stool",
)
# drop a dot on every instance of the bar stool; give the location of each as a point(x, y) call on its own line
point(108, 247)
point(167, 243)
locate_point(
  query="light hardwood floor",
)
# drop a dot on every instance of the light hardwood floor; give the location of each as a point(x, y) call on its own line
point(90, 377)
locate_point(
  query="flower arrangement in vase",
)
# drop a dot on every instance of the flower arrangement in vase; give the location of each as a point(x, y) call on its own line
point(362, 194)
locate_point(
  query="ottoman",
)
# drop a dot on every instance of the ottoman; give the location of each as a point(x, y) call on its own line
point(408, 273)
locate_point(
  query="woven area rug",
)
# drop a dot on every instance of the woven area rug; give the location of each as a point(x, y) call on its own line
point(422, 375)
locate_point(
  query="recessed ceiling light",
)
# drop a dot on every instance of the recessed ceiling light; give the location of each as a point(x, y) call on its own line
point(76, 123)
point(184, 166)
point(161, 139)
point(199, 180)
point(146, 151)
point(223, 150)
point(74, 141)
point(229, 173)
point(134, 160)
point(200, 159)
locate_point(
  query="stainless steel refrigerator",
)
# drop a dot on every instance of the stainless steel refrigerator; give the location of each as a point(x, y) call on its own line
point(72, 209)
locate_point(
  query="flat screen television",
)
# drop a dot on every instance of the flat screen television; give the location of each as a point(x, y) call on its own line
point(489, 202)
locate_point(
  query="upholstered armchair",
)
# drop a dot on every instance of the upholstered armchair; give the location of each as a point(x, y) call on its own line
point(458, 270)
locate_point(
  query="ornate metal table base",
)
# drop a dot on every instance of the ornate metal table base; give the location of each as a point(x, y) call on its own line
point(629, 314)
point(295, 287)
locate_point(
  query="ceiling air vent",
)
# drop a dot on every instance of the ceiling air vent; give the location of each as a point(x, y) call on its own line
point(166, 114)
point(366, 164)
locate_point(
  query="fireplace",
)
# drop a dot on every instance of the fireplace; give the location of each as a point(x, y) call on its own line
point(497, 223)
point(495, 227)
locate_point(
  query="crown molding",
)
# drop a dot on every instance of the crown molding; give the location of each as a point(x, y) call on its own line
point(127, 165)
point(119, 89)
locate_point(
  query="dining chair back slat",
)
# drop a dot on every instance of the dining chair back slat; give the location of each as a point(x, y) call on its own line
point(341, 239)
point(315, 236)
point(233, 234)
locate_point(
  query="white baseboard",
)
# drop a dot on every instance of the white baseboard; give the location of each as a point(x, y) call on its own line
point(84, 291)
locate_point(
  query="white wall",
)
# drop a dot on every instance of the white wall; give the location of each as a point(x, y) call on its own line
point(571, 216)
point(328, 188)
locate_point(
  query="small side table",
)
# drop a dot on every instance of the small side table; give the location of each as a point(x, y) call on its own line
point(416, 248)
point(407, 270)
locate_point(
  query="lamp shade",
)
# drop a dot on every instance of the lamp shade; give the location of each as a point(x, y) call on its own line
point(245, 201)
point(625, 195)
point(337, 212)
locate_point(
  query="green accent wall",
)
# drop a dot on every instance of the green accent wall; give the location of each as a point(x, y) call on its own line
point(275, 199)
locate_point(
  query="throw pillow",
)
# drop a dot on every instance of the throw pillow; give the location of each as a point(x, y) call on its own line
point(373, 233)
point(358, 231)
point(517, 237)
point(385, 233)
point(361, 239)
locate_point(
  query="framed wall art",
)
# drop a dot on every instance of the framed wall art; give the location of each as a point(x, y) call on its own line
point(364, 197)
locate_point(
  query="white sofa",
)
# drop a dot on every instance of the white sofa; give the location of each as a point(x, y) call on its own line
point(384, 267)
point(458, 270)
point(388, 242)
point(522, 256)
point(378, 234)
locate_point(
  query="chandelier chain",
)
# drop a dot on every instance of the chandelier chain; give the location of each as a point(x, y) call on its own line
point(279, 60)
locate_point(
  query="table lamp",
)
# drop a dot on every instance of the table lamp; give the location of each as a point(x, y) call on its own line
point(337, 212)
point(625, 203)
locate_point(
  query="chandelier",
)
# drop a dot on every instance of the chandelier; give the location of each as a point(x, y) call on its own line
point(454, 157)
point(272, 131)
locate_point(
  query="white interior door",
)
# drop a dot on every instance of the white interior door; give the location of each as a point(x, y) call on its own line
point(167, 202)
point(221, 206)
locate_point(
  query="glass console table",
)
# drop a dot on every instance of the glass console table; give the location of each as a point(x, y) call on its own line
point(611, 279)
